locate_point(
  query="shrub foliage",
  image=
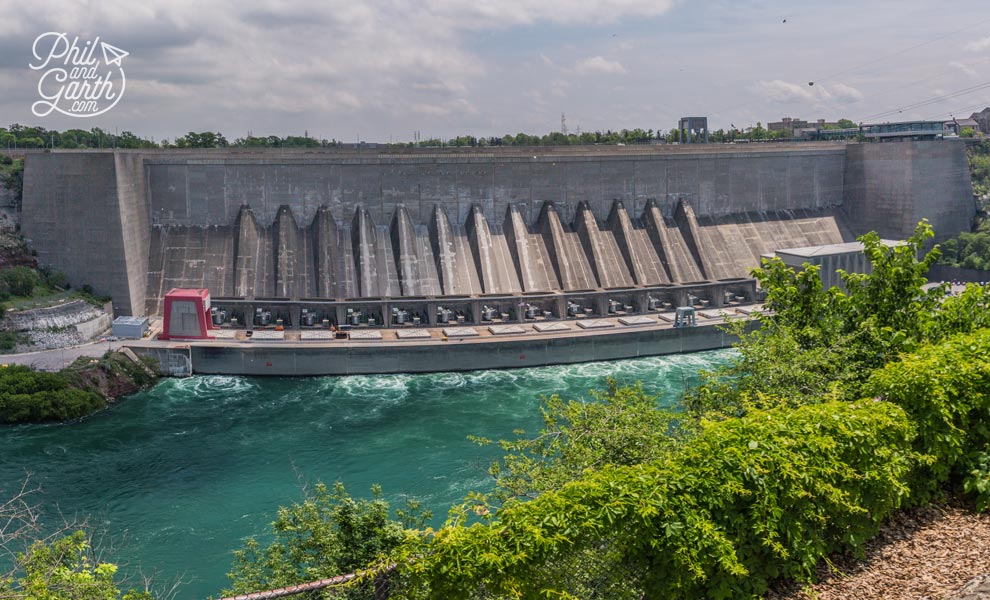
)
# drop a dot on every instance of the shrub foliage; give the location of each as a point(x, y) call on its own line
point(29, 395)
point(741, 503)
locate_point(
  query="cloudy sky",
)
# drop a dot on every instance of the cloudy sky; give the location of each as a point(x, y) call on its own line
point(382, 70)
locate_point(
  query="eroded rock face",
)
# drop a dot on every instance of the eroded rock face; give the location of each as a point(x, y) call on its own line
point(978, 588)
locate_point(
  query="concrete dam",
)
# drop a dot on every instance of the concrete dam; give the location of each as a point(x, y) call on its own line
point(341, 224)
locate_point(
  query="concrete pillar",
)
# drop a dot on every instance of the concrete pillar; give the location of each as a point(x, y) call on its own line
point(719, 296)
point(476, 312)
point(680, 297)
point(601, 304)
point(431, 312)
point(295, 312)
point(640, 301)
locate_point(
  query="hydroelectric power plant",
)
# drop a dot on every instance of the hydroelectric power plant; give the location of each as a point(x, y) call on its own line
point(500, 237)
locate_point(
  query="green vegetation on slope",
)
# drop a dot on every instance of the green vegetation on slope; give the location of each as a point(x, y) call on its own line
point(24, 286)
point(80, 389)
point(12, 176)
point(968, 250)
point(28, 395)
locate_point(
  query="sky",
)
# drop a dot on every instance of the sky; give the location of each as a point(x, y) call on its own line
point(381, 71)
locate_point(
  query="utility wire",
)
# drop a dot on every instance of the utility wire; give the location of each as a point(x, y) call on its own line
point(929, 101)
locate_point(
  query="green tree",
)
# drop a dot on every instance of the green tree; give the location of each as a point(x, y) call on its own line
point(328, 533)
point(21, 281)
point(65, 569)
point(817, 344)
point(618, 426)
point(206, 139)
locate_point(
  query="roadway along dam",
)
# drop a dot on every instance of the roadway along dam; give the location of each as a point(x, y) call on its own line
point(336, 224)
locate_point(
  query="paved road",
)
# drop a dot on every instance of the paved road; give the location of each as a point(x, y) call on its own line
point(53, 360)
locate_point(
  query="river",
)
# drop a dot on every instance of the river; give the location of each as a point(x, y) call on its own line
point(180, 474)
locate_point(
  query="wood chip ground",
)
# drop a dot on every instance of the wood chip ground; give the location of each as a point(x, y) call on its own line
point(921, 554)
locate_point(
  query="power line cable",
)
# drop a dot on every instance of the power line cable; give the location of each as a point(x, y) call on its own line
point(928, 101)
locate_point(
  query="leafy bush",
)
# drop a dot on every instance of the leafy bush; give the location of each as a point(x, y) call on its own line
point(66, 568)
point(821, 344)
point(28, 395)
point(945, 388)
point(977, 479)
point(619, 426)
point(741, 503)
point(329, 533)
point(21, 280)
point(55, 280)
point(8, 341)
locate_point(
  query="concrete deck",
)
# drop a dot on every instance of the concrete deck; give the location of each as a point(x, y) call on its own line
point(452, 348)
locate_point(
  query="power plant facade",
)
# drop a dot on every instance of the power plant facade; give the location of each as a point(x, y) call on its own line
point(335, 224)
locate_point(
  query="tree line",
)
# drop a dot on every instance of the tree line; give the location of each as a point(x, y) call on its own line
point(20, 136)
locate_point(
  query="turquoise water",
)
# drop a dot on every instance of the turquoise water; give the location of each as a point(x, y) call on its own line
point(180, 474)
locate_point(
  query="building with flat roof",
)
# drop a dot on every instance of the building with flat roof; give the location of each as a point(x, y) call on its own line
point(790, 125)
point(830, 258)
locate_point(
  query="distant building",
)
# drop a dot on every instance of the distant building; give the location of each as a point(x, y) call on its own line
point(905, 130)
point(829, 258)
point(789, 125)
point(692, 127)
point(958, 125)
point(982, 118)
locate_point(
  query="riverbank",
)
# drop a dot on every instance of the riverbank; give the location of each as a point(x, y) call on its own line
point(84, 387)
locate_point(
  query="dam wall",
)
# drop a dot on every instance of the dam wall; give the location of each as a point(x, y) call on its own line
point(370, 223)
point(198, 189)
point(890, 187)
point(73, 219)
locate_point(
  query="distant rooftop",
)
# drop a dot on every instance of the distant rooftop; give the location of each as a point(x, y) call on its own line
point(829, 249)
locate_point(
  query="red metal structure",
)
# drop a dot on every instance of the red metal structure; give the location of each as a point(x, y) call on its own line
point(187, 315)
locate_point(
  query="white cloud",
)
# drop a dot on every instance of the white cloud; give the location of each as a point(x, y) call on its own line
point(964, 68)
point(598, 64)
point(559, 87)
point(978, 45)
point(842, 93)
point(481, 14)
point(784, 92)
